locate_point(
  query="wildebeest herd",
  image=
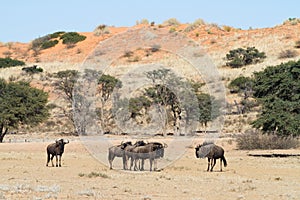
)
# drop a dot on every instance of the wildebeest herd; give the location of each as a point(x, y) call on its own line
point(140, 151)
point(137, 153)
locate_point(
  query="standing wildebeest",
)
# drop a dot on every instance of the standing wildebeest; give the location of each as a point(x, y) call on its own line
point(117, 151)
point(151, 151)
point(127, 154)
point(56, 149)
point(212, 152)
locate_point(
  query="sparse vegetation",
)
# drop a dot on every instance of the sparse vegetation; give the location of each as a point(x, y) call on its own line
point(287, 54)
point(240, 57)
point(101, 29)
point(142, 21)
point(93, 175)
point(292, 21)
point(256, 140)
point(194, 25)
point(172, 30)
point(128, 54)
point(72, 38)
point(8, 62)
point(227, 28)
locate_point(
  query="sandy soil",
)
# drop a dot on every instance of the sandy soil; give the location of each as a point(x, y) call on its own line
point(25, 176)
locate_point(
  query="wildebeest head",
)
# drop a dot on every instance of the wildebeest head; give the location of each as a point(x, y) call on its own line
point(61, 142)
point(140, 143)
point(203, 150)
point(159, 148)
point(125, 144)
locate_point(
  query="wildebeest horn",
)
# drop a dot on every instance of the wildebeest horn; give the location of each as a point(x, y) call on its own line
point(67, 141)
point(165, 145)
point(122, 142)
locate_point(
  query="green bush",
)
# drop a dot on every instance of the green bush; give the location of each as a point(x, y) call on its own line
point(38, 42)
point(56, 34)
point(72, 38)
point(241, 57)
point(256, 140)
point(45, 42)
point(240, 84)
point(8, 62)
point(49, 44)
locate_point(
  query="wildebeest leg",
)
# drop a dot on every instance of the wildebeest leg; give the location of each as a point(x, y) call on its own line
point(213, 163)
point(142, 165)
point(131, 162)
point(48, 159)
point(124, 162)
point(56, 161)
point(59, 159)
point(151, 162)
point(135, 164)
point(111, 159)
point(208, 163)
point(52, 156)
point(155, 165)
point(220, 164)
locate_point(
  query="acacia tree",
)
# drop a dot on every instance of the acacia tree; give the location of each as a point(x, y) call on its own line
point(278, 89)
point(66, 83)
point(107, 84)
point(21, 104)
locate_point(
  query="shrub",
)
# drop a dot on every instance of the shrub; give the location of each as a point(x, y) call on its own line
point(128, 54)
point(49, 44)
point(45, 42)
point(240, 57)
point(8, 62)
point(194, 25)
point(32, 70)
point(155, 48)
point(297, 44)
point(256, 140)
point(240, 84)
point(287, 54)
point(172, 30)
point(38, 42)
point(72, 38)
point(101, 29)
point(171, 22)
point(227, 28)
point(142, 21)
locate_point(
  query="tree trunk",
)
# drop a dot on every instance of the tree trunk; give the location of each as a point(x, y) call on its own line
point(2, 134)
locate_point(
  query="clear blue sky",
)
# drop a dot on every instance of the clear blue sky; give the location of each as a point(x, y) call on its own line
point(25, 20)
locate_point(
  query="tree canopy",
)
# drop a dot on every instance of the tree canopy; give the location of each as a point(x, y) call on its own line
point(21, 104)
point(278, 89)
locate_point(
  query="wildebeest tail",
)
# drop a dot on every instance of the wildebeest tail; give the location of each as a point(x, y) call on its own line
point(224, 160)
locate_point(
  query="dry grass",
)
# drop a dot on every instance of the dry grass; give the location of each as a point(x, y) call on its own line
point(256, 140)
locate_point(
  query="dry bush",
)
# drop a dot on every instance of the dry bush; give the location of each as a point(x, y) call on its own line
point(256, 140)
point(194, 25)
point(297, 44)
point(287, 54)
point(101, 30)
point(171, 22)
